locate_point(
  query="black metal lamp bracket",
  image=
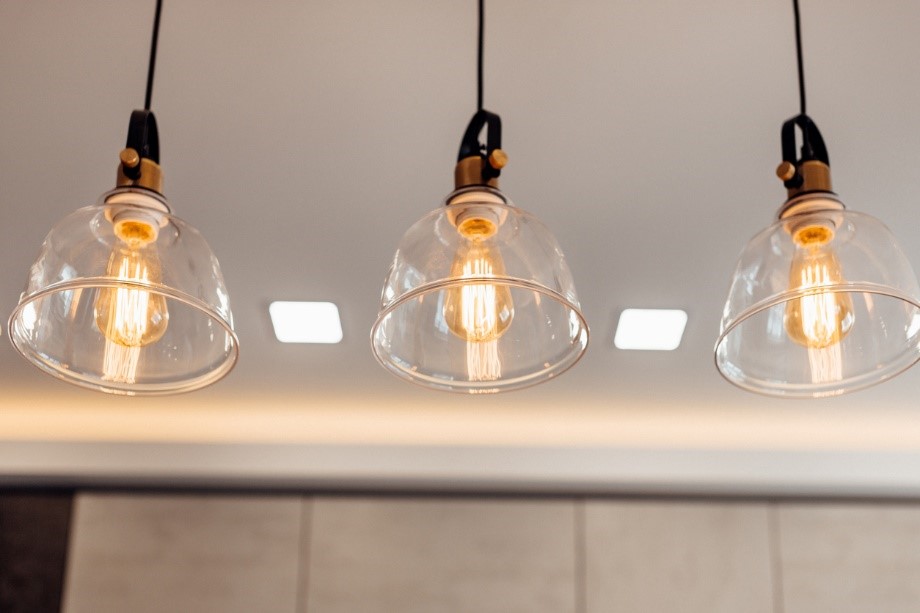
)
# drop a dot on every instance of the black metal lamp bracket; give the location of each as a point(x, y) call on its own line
point(143, 138)
point(813, 148)
point(471, 145)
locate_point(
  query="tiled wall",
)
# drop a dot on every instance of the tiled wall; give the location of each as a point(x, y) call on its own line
point(290, 554)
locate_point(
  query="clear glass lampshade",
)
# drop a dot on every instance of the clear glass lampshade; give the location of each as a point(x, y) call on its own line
point(479, 299)
point(128, 299)
point(823, 302)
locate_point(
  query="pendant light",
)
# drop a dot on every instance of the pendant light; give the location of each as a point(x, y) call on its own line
point(125, 297)
point(479, 297)
point(823, 302)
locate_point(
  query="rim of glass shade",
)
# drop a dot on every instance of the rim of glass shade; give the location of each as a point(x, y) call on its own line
point(133, 389)
point(800, 391)
point(474, 387)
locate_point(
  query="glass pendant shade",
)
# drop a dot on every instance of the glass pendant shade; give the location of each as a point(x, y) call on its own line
point(479, 299)
point(823, 302)
point(126, 298)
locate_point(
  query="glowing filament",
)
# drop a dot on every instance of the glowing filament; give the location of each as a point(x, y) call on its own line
point(819, 318)
point(479, 311)
point(128, 316)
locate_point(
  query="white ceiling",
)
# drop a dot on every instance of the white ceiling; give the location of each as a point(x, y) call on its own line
point(303, 138)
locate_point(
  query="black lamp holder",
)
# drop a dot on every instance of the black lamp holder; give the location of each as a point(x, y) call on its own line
point(471, 146)
point(144, 139)
point(813, 147)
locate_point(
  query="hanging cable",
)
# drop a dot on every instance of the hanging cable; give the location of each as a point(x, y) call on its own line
point(798, 49)
point(153, 55)
point(479, 58)
point(490, 159)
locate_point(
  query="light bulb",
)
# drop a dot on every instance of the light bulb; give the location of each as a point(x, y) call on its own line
point(126, 315)
point(817, 319)
point(130, 317)
point(478, 312)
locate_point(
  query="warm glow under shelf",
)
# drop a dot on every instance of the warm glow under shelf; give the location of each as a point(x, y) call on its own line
point(650, 329)
point(306, 322)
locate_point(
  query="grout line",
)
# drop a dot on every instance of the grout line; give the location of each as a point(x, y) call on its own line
point(303, 553)
point(581, 581)
point(776, 562)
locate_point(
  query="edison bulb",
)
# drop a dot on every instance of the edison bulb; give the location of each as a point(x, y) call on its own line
point(817, 319)
point(478, 312)
point(126, 315)
point(130, 317)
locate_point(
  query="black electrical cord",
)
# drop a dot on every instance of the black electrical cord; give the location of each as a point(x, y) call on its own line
point(479, 58)
point(153, 55)
point(470, 144)
point(798, 48)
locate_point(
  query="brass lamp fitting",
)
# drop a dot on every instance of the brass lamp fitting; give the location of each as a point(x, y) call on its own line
point(815, 175)
point(470, 170)
point(135, 171)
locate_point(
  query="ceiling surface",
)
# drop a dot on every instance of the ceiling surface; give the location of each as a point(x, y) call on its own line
point(303, 138)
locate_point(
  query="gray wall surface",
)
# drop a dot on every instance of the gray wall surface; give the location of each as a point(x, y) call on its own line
point(327, 554)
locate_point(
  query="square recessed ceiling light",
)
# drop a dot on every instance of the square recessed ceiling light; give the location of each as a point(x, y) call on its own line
point(652, 329)
point(306, 322)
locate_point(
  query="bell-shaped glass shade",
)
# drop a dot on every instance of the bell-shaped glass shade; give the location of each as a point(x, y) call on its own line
point(822, 302)
point(479, 299)
point(128, 299)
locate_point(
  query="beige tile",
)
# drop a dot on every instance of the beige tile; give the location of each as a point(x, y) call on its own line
point(433, 555)
point(846, 558)
point(677, 557)
point(201, 554)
